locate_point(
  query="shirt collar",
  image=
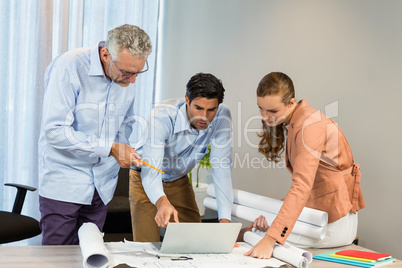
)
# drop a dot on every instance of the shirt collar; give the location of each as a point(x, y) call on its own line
point(182, 123)
point(96, 68)
point(296, 113)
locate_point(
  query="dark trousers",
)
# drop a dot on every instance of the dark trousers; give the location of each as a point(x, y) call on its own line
point(179, 193)
point(60, 220)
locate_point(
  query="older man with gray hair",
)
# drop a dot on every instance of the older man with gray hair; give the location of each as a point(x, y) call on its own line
point(86, 121)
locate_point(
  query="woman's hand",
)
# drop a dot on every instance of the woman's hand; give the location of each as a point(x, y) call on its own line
point(263, 249)
point(260, 224)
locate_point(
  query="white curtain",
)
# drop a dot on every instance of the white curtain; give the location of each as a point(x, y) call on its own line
point(33, 33)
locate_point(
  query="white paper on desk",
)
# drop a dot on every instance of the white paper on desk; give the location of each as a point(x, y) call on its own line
point(92, 247)
point(250, 214)
point(308, 215)
point(127, 252)
point(287, 253)
point(134, 254)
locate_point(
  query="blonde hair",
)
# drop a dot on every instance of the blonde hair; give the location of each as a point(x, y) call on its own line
point(273, 138)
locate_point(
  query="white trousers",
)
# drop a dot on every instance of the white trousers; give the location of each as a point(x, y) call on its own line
point(339, 233)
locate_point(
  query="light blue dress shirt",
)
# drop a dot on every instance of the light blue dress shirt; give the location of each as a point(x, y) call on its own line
point(84, 112)
point(169, 143)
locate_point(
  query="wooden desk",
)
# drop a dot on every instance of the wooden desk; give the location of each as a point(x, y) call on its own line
point(40, 256)
point(70, 257)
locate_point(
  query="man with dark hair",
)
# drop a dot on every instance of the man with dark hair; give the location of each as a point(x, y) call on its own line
point(177, 136)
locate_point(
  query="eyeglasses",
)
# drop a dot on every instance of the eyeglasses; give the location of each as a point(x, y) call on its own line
point(128, 75)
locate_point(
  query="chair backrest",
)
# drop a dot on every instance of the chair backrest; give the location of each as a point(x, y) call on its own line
point(14, 226)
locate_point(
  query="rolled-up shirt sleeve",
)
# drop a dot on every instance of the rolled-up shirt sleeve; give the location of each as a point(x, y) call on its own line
point(221, 161)
point(153, 153)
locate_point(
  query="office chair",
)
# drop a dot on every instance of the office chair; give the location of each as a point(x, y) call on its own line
point(13, 225)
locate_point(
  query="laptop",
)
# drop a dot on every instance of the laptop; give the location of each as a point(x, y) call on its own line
point(190, 237)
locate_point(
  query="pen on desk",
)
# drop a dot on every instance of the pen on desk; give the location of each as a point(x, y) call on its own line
point(151, 166)
point(175, 258)
point(181, 258)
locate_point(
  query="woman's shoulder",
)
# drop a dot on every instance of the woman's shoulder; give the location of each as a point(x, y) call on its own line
point(306, 116)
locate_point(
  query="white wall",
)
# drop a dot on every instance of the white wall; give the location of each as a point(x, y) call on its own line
point(347, 54)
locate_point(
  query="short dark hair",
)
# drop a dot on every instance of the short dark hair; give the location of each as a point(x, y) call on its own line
point(206, 86)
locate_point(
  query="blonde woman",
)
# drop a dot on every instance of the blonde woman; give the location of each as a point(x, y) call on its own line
point(324, 174)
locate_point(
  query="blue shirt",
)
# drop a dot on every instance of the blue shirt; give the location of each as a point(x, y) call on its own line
point(169, 143)
point(84, 112)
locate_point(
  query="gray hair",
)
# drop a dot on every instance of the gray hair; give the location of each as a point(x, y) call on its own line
point(130, 37)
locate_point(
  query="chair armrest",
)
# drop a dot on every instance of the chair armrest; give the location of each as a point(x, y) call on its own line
point(20, 197)
point(20, 186)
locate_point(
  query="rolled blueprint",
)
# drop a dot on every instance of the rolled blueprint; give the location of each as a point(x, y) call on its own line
point(92, 246)
point(250, 214)
point(306, 254)
point(308, 215)
point(286, 253)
